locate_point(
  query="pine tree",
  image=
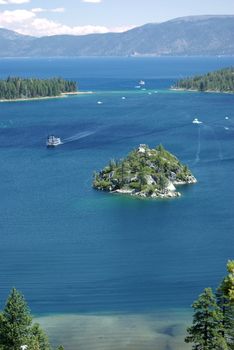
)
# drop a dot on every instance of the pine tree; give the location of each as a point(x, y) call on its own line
point(228, 282)
point(16, 328)
point(225, 301)
point(38, 335)
point(15, 322)
point(206, 333)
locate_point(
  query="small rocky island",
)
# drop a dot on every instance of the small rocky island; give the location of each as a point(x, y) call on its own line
point(145, 172)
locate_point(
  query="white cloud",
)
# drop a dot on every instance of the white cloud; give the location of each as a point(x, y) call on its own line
point(5, 2)
point(39, 10)
point(44, 27)
point(93, 1)
point(17, 16)
point(58, 10)
point(18, 1)
point(29, 22)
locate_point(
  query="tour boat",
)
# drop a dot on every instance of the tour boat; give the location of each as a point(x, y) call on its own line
point(196, 121)
point(53, 141)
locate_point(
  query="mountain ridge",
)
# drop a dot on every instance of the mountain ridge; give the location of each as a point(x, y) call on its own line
point(182, 36)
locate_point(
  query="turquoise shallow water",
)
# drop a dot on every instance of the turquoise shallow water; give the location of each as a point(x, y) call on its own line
point(102, 262)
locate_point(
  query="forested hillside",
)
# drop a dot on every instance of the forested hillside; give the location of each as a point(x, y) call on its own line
point(21, 88)
point(221, 80)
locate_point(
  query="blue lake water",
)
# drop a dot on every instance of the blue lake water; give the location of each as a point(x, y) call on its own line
point(112, 271)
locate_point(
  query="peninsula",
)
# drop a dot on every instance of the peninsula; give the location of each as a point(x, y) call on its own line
point(15, 88)
point(218, 81)
point(145, 172)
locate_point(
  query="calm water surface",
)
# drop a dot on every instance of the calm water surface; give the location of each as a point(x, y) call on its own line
point(111, 271)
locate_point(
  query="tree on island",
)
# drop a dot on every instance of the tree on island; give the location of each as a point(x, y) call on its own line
point(16, 327)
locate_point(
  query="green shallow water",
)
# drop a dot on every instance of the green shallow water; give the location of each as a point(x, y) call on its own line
point(119, 332)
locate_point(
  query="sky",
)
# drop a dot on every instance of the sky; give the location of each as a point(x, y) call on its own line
point(79, 17)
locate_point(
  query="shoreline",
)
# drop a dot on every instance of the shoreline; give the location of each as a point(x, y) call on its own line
point(208, 91)
point(62, 95)
point(167, 193)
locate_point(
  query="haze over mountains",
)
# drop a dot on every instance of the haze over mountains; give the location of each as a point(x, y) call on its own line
point(186, 36)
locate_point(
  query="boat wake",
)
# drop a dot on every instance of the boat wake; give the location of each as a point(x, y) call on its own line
point(197, 159)
point(218, 143)
point(78, 136)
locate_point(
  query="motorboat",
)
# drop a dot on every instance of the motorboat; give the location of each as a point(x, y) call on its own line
point(53, 141)
point(196, 121)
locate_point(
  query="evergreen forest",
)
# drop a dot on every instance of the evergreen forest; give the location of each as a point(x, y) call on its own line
point(24, 88)
point(220, 81)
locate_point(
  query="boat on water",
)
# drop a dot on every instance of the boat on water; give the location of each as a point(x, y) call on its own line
point(196, 121)
point(53, 141)
point(141, 82)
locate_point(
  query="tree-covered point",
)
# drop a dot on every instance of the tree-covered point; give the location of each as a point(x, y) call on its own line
point(144, 172)
point(220, 81)
point(21, 88)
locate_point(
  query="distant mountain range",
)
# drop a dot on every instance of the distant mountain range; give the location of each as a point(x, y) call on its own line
point(186, 36)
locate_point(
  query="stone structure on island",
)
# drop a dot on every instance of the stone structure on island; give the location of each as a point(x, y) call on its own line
point(145, 172)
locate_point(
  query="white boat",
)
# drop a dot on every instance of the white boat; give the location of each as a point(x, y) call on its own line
point(196, 121)
point(53, 141)
point(141, 82)
point(99, 102)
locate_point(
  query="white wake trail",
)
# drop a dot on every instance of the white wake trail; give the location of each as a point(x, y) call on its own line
point(197, 159)
point(78, 136)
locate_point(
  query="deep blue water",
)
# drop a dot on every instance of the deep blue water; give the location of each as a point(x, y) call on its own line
point(71, 249)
